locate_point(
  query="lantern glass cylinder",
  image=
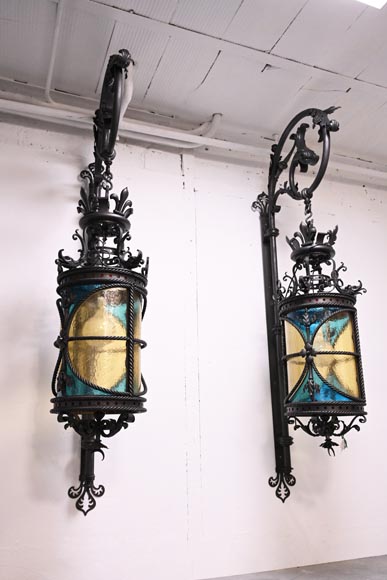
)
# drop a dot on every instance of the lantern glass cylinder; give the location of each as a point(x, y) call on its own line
point(104, 346)
point(322, 355)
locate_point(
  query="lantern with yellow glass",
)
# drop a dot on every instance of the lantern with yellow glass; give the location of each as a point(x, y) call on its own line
point(97, 384)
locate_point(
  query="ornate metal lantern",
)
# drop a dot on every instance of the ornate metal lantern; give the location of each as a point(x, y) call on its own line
point(313, 339)
point(102, 301)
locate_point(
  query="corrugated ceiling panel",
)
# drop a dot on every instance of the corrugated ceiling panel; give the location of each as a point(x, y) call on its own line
point(363, 124)
point(245, 95)
point(159, 10)
point(358, 44)
point(182, 69)
point(318, 35)
point(210, 18)
point(83, 44)
point(376, 71)
point(259, 23)
point(373, 131)
point(146, 48)
point(26, 34)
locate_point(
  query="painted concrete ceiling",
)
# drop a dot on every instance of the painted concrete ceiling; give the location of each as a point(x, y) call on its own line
point(258, 62)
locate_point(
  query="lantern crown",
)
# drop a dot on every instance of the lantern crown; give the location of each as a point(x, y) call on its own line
point(313, 252)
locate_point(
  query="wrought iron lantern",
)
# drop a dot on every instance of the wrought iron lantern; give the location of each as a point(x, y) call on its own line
point(313, 340)
point(97, 383)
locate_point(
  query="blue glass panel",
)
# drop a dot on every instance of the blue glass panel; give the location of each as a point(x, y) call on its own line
point(119, 311)
point(333, 328)
point(316, 315)
point(77, 387)
point(325, 394)
point(79, 293)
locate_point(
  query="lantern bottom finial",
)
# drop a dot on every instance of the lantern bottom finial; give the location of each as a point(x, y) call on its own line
point(282, 481)
point(86, 493)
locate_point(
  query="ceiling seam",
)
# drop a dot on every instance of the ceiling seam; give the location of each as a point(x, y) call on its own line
point(233, 17)
point(156, 69)
point(208, 72)
point(107, 52)
point(288, 26)
point(174, 11)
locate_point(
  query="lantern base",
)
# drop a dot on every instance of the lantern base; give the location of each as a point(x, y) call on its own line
point(91, 426)
point(314, 409)
point(328, 426)
point(109, 404)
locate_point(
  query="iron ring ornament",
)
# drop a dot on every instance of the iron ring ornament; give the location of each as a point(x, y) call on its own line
point(313, 339)
point(97, 384)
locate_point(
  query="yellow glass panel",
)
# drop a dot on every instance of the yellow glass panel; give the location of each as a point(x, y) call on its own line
point(340, 371)
point(102, 362)
point(137, 349)
point(295, 367)
point(293, 337)
point(336, 333)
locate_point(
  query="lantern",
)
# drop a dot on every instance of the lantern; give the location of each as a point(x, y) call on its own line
point(97, 384)
point(313, 339)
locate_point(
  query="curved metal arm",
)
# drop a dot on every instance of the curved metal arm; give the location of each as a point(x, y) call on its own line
point(300, 154)
point(107, 117)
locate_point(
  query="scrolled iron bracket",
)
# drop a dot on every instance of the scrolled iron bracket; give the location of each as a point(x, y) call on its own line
point(301, 158)
point(300, 155)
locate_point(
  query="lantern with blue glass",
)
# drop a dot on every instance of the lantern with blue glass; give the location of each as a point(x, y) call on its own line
point(97, 384)
point(312, 334)
point(321, 340)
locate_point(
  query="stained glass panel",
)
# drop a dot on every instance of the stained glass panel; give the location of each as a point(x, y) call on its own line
point(323, 392)
point(294, 343)
point(336, 333)
point(137, 348)
point(102, 362)
point(340, 371)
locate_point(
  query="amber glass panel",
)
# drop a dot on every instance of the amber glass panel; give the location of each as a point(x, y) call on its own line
point(294, 343)
point(294, 339)
point(340, 371)
point(137, 350)
point(102, 362)
point(336, 333)
point(296, 367)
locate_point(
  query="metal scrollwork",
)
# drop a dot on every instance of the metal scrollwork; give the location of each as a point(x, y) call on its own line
point(299, 157)
point(91, 429)
point(99, 223)
point(86, 493)
point(327, 426)
point(282, 481)
point(312, 251)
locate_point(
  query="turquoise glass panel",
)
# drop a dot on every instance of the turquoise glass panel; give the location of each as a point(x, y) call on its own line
point(119, 311)
point(325, 394)
point(79, 293)
point(333, 328)
point(316, 315)
point(77, 387)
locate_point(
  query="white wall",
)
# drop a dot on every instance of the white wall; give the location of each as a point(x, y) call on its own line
point(186, 485)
